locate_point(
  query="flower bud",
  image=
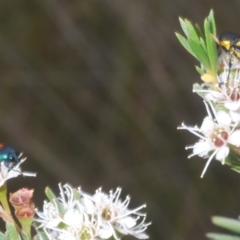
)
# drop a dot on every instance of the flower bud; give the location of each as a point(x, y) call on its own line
point(20, 197)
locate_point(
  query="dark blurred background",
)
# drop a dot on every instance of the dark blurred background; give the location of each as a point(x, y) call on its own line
point(93, 91)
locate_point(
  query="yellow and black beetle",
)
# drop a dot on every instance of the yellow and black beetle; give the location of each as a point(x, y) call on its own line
point(229, 43)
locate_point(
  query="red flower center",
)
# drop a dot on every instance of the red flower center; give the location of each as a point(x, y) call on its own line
point(220, 137)
point(234, 93)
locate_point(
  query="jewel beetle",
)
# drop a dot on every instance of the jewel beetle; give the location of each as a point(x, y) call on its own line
point(9, 156)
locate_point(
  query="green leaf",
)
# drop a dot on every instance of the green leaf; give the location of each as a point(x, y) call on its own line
point(199, 90)
point(202, 47)
point(12, 231)
point(233, 160)
point(183, 26)
point(203, 44)
point(191, 31)
point(24, 236)
point(41, 234)
point(49, 193)
point(211, 46)
point(199, 70)
point(212, 22)
point(185, 43)
point(198, 31)
point(200, 53)
point(77, 195)
point(218, 236)
point(227, 223)
point(53, 199)
point(2, 236)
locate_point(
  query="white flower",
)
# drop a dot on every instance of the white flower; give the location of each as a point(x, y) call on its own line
point(76, 215)
point(65, 212)
point(114, 216)
point(226, 93)
point(7, 172)
point(216, 134)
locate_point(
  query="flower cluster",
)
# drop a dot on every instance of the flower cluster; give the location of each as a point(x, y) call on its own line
point(220, 130)
point(77, 215)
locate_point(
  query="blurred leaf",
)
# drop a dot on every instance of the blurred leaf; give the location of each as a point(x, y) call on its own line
point(12, 231)
point(25, 236)
point(218, 236)
point(2, 236)
point(184, 26)
point(201, 55)
point(199, 70)
point(50, 195)
point(41, 235)
point(209, 26)
point(227, 223)
point(53, 199)
point(212, 23)
point(185, 43)
point(192, 32)
point(201, 47)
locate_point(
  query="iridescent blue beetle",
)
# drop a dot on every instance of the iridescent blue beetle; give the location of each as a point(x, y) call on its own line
point(9, 156)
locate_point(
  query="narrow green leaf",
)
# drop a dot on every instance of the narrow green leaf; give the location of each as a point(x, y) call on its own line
point(192, 33)
point(77, 195)
point(49, 193)
point(199, 70)
point(2, 236)
point(53, 199)
point(227, 223)
point(211, 47)
point(183, 26)
point(199, 90)
point(203, 44)
point(212, 23)
point(200, 53)
point(218, 236)
point(41, 234)
point(12, 231)
point(233, 160)
point(24, 236)
point(185, 43)
point(198, 31)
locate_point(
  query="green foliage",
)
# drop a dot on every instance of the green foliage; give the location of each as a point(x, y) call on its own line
point(201, 46)
point(227, 223)
point(218, 236)
point(12, 233)
point(53, 199)
point(41, 234)
point(2, 236)
point(24, 236)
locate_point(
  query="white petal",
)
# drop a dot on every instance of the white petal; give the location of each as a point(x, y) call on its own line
point(223, 118)
point(207, 125)
point(235, 115)
point(88, 205)
point(53, 223)
point(232, 105)
point(106, 232)
point(202, 148)
point(128, 222)
point(222, 153)
point(73, 217)
point(234, 138)
point(214, 96)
